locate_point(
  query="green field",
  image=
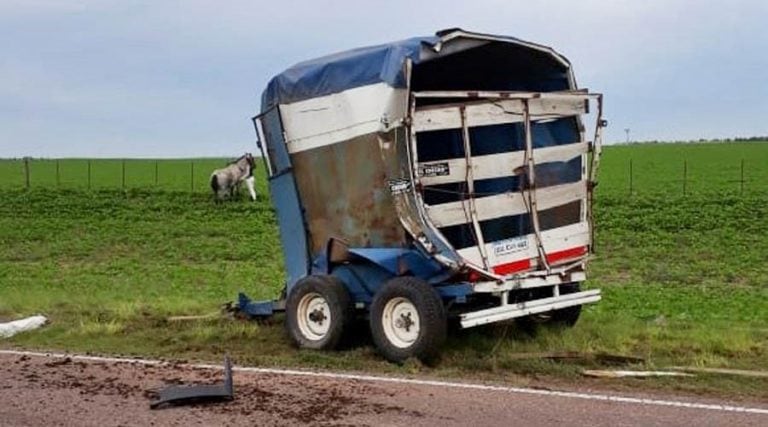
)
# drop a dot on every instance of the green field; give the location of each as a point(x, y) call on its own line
point(684, 277)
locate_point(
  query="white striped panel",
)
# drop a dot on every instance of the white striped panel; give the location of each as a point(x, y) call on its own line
point(496, 112)
point(499, 165)
point(505, 204)
point(337, 117)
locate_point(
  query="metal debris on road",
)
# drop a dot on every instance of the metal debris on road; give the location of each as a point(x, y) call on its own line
point(184, 395)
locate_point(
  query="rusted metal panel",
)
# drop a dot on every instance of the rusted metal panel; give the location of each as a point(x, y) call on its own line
point(345, 194)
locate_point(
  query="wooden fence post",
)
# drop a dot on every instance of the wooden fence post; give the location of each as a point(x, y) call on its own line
point(742, 177)
point(157, 177)
point(58, 178)
point(192, 175)
point(630, 177)
point(123, 174)
point(89, 174)
point(685, 176)
point(26, 172)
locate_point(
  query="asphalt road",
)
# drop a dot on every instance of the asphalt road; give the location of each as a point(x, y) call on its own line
point(46, 390)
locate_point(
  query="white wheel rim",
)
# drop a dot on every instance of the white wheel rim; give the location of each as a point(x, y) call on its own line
point(314, 316)
point(401, 323)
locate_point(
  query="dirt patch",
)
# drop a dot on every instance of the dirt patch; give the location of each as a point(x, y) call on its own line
point(287, 400)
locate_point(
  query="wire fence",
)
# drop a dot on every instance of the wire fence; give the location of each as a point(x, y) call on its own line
point(684, 177)
point(626, 175)
point(181, 175)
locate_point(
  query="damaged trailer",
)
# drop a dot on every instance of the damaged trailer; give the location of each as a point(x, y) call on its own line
point(436, 177)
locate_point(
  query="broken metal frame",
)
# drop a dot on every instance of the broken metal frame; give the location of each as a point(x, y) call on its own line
point(545, 275)
point(525, 99)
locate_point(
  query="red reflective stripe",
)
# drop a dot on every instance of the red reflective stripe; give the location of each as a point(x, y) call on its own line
point(566, 254)
point(512, 267)
point(552, 258)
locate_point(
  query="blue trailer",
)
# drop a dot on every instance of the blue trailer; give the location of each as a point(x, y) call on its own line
point(436, 177)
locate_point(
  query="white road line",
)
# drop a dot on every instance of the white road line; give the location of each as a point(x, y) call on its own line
point(396, 380)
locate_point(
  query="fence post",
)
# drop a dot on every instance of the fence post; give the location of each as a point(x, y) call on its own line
point(192, 174)
point(58, 179)
point(26, 172)
point(122, 181)
point(89, 174)
point(157, 180)
point(742, 177)
point(630, 176)
point(685, 176)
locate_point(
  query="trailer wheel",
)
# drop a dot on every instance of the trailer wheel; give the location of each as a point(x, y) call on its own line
point(408, 320)
point(565, 317)
point(317, 312)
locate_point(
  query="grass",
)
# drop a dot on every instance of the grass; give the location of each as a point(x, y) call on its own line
point(684, 280)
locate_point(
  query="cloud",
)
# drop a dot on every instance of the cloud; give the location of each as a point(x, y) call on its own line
point(183, 77)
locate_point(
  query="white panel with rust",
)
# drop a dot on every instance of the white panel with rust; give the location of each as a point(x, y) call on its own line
point(505, 204)
point(326, 120)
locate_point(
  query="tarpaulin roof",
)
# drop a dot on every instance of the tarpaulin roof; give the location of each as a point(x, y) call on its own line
point(344, 70)
point(363, 66)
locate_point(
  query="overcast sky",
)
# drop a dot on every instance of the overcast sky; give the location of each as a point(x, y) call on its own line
point(182, 78)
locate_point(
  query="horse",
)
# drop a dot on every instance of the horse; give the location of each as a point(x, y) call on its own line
point(228, 179)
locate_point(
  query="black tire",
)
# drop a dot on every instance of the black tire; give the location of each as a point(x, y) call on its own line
point(565, 317)
point(305, 332)
point(428, 338)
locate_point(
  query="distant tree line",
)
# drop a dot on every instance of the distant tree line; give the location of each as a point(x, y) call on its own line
point(702, 140)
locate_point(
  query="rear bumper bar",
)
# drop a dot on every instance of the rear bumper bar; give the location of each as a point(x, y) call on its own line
point(511, 311)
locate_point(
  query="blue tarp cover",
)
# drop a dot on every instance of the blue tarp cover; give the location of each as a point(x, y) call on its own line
point(341, 71)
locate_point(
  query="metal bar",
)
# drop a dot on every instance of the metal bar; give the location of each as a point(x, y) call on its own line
point(531, 187)
point(596, 149)
point(543, 305)
point(471, 190)
point(504, 94)
point(531, 282)
point(261, 143)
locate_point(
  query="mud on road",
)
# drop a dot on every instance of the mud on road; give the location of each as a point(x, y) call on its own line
point(65, 391)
